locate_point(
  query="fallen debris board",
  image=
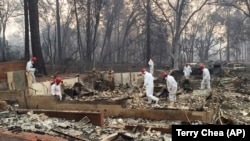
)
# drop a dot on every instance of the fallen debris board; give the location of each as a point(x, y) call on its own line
point(24, 136)
point(95, 118)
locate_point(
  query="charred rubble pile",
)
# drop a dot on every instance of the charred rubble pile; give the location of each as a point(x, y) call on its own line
point(82, 130)
point(229, 96)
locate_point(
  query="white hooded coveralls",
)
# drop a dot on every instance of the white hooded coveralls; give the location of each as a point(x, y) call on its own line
point(31, 70)
point(149, 84)
point(56, 90)
point(151, 66)
point(172, 88)
point(205, 79)
point(187, 71)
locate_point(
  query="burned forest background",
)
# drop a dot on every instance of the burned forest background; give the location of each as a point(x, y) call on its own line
point(86, 34)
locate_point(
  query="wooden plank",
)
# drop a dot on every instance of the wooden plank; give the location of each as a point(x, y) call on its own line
point(96, 118)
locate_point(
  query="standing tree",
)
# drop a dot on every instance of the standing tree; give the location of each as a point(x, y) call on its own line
point(131, 19)
point(110, 15)
point(89, 33)
point(177, 21)
point(35, 35)
point(79, 38)
point(99, 4)
point(7, 10)
point(241, 5)
point(59, 56)
point(148, 21)
point(26, 23)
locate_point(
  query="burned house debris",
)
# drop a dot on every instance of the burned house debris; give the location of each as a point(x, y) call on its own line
point(109, 105)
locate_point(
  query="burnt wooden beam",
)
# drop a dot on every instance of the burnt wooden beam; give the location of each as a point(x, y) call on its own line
point(96, 118)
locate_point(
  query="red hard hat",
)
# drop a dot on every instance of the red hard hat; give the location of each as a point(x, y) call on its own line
point(201, 66)
point(143, 70)
point(58, 80)
point(164, 74)
point(34, 59)
point(186, 64)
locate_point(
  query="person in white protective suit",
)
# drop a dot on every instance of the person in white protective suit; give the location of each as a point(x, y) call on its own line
point(205, 77)
point(151, 65)
point(30, 69)
point(187, 71)
point(149, 86)
point(56, 88)
point(171, 86)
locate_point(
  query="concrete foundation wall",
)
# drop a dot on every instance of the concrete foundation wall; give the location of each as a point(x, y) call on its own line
point(107, 108)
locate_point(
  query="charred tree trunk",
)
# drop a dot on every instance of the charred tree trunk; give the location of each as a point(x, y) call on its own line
point(148, 21)
point(89, 35)
point(26, 22)
point(4, 42)
point(58, 24)
point(98, 5)
point(35, 35)
point(79, 41)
